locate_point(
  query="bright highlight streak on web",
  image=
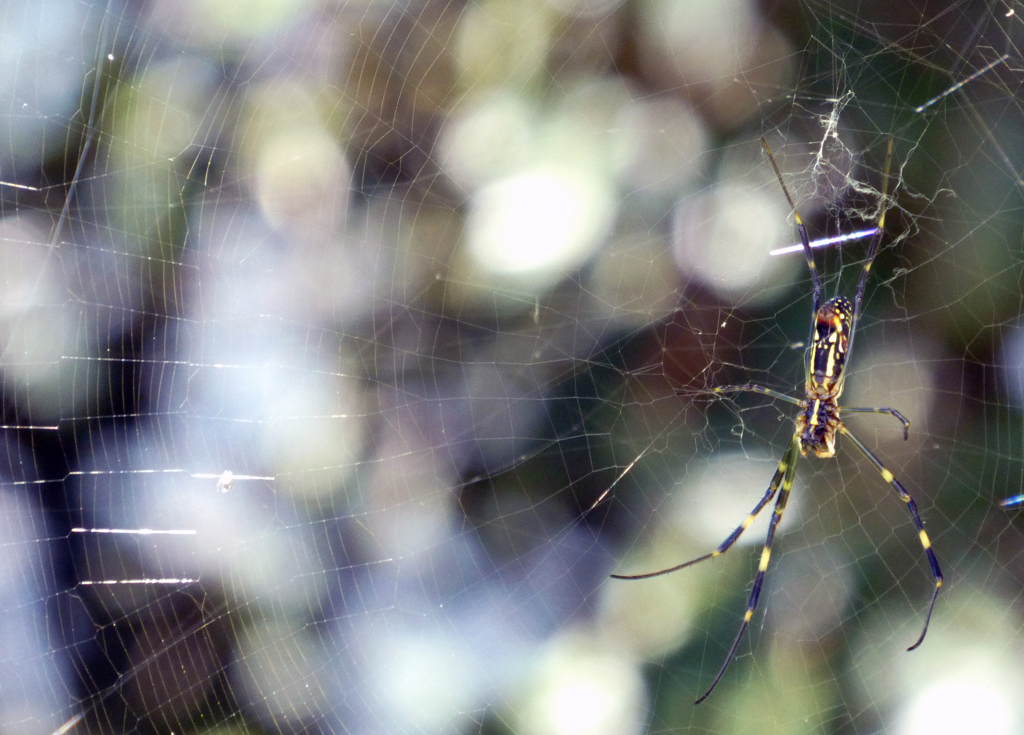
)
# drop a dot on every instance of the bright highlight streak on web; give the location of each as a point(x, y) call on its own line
point(143, 580)
point(826, 242)
point(136, 531)
point(959, 84)
point(67, 726)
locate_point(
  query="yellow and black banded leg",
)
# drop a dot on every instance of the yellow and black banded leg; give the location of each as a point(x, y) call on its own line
point(912, 507)
point(805, 240)
point(731, 539)
point(787, 469)
point(891, 411)
point(858, 299)
point(755, 388)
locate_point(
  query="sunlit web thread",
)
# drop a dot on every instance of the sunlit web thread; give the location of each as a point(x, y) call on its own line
point(958, 85)
point(833, 328)
point(225, 480)
point(825, 242)
point(187, 627)
point(101, 57)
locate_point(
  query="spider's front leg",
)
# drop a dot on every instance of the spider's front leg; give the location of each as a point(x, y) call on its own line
point(747, 388)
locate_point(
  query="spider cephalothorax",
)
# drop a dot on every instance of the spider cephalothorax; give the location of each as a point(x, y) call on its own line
point(816, 426)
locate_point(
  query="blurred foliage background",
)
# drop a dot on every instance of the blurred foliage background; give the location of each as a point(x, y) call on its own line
point(349, 346)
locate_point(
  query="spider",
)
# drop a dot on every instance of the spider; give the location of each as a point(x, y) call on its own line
point(818, 421)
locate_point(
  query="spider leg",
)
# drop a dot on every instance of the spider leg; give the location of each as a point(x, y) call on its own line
point(891, 411)
point(872, 250)
point(876, 240)
point(754, 388)
point(773, 487)
point(786, 471)
point(912, 507)
point(804, 239)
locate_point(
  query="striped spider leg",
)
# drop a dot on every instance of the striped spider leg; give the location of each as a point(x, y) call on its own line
point(818, 421)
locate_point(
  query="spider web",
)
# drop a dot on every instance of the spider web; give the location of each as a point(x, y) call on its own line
point(349, 347)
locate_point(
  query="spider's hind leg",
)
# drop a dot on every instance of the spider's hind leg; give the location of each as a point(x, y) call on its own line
point(785, 473)
point(784, 466)
point(912, 507)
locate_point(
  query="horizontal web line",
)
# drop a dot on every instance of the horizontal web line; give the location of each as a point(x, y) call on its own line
point(827, 241)
point(156, 580)
point(137, 531)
